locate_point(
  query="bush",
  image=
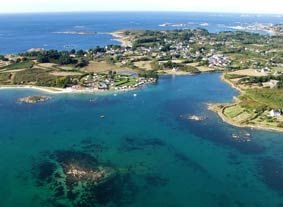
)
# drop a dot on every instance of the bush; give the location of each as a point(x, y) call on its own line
point(35, 77)
point(4, 76)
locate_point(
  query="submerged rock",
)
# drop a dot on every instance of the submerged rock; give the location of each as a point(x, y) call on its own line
point(193, 117)
point(33, 99)
point(79, 179)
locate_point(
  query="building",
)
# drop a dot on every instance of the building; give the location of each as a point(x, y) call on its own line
point(266, 70)
point(273, 83)
point(275, 113)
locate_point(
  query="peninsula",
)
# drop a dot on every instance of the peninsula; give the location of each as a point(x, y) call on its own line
point(250, 62)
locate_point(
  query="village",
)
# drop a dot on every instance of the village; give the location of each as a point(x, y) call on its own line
point(114, 82)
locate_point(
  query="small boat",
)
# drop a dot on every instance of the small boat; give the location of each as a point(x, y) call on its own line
point(235, 136)
point(102, 116)
point(134, 95)
point(246, 134)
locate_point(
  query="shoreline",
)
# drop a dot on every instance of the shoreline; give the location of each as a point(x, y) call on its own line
point(120, 38)
point(216, 107)
point(44, 89)
point(52, 90)
point(222, 78)
point(174, 73)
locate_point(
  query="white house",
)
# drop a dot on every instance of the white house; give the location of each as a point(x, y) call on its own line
point(265, 70)
point(276, 73)
point(273, 83)
point(275, 113)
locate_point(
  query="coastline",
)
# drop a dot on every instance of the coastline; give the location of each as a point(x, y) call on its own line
point(222, 77)
point(120, 38)
point(219, 108)
point(215, 107)
point(173, 73)
point(43, 89)
point(52, 90)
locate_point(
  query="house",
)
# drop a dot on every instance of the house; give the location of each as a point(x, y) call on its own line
point(175, 69)
point(265, 70)
point(273, 83)
point(276, 73)
point(102, 86)
point(275, 113)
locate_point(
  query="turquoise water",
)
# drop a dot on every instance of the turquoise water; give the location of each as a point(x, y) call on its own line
point(168, 161)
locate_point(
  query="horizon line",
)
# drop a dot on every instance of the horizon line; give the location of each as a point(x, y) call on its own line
point(141, 11)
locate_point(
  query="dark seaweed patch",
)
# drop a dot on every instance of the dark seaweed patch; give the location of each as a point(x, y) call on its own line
point(155, 180)
point(93, 145)
point(88, 140)
point(136, 143)
point(233, 159)
point(223, 200)
point(272, 172)
point(207, 130)
point(78, 179)
point(154, 142)
point(114, 191)
point(189, 162)
point(59, 191)
point(44, 171)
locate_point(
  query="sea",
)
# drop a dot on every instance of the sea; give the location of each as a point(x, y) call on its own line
point(20, 32)
point(160, 158)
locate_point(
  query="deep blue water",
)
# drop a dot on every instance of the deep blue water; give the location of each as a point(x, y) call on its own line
point(20, 32)
point(172, 161)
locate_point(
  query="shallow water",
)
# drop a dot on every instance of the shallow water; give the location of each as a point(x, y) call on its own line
point(163, 159)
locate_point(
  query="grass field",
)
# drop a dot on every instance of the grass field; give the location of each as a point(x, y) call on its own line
point(143, 64)
point(102, 67)
point(247, 72)
point(21, 65)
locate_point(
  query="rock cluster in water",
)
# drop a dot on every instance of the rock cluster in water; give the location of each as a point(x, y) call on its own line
point(193, 117)
point(33, 99)
point(76, 179)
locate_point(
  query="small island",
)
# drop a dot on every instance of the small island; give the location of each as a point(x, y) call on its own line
point(33, 99)
point(77, 33)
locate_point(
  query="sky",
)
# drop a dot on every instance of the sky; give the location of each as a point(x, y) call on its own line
point(235, 6)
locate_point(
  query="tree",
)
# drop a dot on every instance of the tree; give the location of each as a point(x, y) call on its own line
point(80, 53)
point(82, 63)
point(62, 82)
point(42, 59)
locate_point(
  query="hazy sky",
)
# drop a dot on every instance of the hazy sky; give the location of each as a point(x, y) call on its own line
point(242, 6)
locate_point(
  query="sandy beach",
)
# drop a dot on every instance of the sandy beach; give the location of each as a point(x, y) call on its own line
point(120, 38)
point(172, 72)
point(44, 89)
point(52, 90)
point(231, 84)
